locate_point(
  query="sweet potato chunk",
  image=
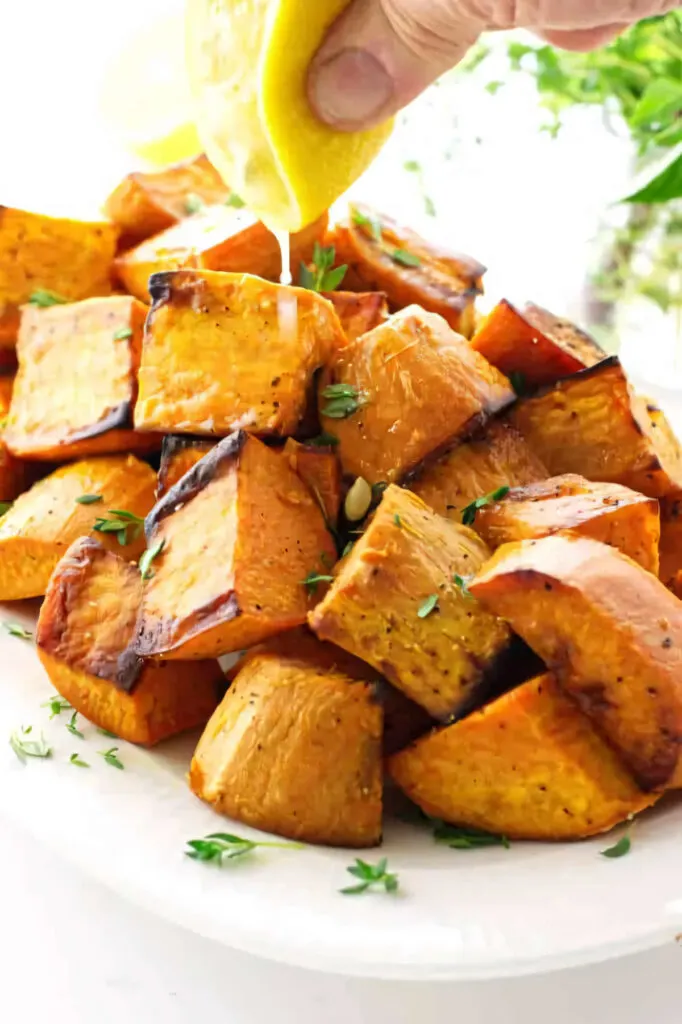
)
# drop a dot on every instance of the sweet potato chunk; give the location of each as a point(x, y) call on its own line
point(414, 387)
point(359, 313)
point(178, 455)
point(534, 344)
point(214, 238)
point(240, 533)
point(607, 512)
point(77, 381)
point(224, 351)
point(497, 456)
point(395, 603)
point(384, 257)
point(70, 257)
point(146, 203)
point(320, 471)
point(43, 522)
point(86, 625)
point(15, 474)
point(528, 766)
point(592, 424)
point(610, 632)
point(295, 748)
point(671, 538)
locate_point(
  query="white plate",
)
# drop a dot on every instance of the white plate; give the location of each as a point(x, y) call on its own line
point(476, 914)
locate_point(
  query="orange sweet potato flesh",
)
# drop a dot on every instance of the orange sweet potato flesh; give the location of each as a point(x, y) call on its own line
point(76, 385)
point(147, 202)
point(320, 471)
point(359, 313)
point(611, 633)
point(224, 351)
point(15, 474)
point(422, 387)
point(606, 512)
point(671, 538)
point(215, 238)
point(530, 765)
point(70, 257)
point(44, 521)
point(86, 625)
point(295, 749)
point(408, 555)
point(406, 267)
point(497, 456)
point(592, 424)
point(534, 343)
point(241, 533)
point(178, 455)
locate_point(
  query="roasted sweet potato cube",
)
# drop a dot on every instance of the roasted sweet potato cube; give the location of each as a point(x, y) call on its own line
point(320, 471)
point(495, 457)
point(607, 512)
point(408, 388)
point(295, 749)
point(147, 202)
point(593, 424)
point(77, 381)
point(399, 602)
point(534, 344)
point(530, 765)
point(241, 534)
point(610, 632)
point(359, 313)
point(72, 258)
point(15, 474)
point(214, 238)
point(178, 455)
point(224, 351)
point(671, 538)
point(44, 522)
point(383, 256)
point(85, 629)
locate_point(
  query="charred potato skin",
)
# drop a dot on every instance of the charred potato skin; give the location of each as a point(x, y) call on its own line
point(178, 455)
point(592, 425)
point(308, 763)
point(422, 388)
point(528, 766)
point(609, 631)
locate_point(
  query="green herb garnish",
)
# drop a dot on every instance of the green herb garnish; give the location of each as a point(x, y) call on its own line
point(24, 747)
point(407, 259)
point(42, 298)
point(193, 203)
point(348, 548)
point(428, 606)
point(469, 513)
point(56, 706)
point(466, 838)
point(126, 525)
point(463, 585)
point(5, 506)
point(313, 579)
point(14, 629)
point(518, 382)
point(412, 166)
point(71, 726)
point(378, 490)
point(373, 223)
point(342, 400)
point(324, 440)
point(235, 201)
point(371, 876)
point(89, 499)
point(398, 521)
point(105, 732)
point(110, 756)
point(221, 846)
point(319, 276)
point(619, 849)
point(123, 333)
point(429, 206)
point(75, 759)
point(148, 557)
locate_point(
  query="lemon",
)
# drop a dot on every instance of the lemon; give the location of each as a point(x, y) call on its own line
point(248, 61)
point(146, 97)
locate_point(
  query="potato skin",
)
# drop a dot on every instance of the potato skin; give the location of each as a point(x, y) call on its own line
point(671, 538)
point(359, 313)
point(44, 521)
point(530, 765)
point(216, 238)
point(77, 381)
point(497, 456)
point(70, 257)
point(224, 351)
point(442, 281)
point(423, 387)
point(609, 631)
point(442, 661)
point(84, 632)
point(146, 203)
point(592, 424)
point(606, 512)
point(241, 533)
point(534, 343)
point(178, 455)
point(295, 749)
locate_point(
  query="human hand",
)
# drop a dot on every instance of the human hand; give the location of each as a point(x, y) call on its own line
point(380, 54)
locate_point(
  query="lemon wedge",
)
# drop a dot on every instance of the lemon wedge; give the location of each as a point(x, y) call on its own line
point(247, 62)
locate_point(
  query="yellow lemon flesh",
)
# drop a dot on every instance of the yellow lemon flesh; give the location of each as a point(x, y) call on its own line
point(248, 62)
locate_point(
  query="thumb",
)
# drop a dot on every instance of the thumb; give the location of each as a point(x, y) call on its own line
point(380, 54)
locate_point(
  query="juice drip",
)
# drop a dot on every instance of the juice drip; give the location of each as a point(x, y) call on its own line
point(284, 242)
point(287, 303)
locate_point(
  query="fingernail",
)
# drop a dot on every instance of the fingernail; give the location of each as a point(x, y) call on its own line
point(350, 89)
